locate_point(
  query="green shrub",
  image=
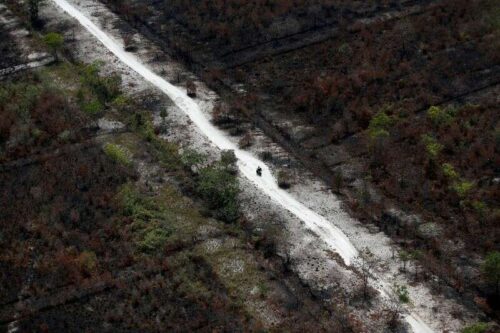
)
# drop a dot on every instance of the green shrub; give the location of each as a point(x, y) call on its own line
point(228, 157)
point(154, 239)
point(96, 92)
point(54, 41)
point(140, 208)
point(440, 116)
point(345, 50)
point(118, 154)
point(381, 120)
point(263, 289)
point(402, 293)
point(93, 108)
point(168, 154)
point(147, 130)
point(65, 135)
point(449, 171)
point(462, 188)
point(219, 187)
point(105, 88)
point(190, 158)
point(432, 147)
point(152, 218)
point(129, 200)
point(491, 269)
point(36, 133)
point(20, 98)
point(379, 133)
point(476, 328)
point(228, 160)
point(120, 102)
point(379, 125)
point(480, 207)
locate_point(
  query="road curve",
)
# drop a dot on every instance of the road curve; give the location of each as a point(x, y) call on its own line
point(247, 163)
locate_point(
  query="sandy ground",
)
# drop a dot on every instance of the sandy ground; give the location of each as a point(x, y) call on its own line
point(310, 257)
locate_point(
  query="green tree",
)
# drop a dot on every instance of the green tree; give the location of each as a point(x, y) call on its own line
point(491, 269)
point(55, 42)
point(378, 131)
point(192, 160)
point(449, 171)
point(462, 188)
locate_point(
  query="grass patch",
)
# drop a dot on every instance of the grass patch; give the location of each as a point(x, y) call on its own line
point(154, 238)
point(119, 154)
point(476, 328)
point(129, 141)
point(235, 267)
point(166, 219)
point(93, 107)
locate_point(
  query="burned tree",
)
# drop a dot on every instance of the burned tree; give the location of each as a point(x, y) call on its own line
point(129, 44)
point(33, 9)
point(365, 264)
point(191, 88)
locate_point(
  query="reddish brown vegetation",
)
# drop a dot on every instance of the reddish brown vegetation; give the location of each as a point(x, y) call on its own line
point(70, 234)
point(446, 55)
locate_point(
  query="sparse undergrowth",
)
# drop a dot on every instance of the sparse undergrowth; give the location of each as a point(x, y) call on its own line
point(93, 223)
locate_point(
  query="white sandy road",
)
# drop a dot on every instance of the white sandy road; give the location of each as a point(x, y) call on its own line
point(247, 163)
